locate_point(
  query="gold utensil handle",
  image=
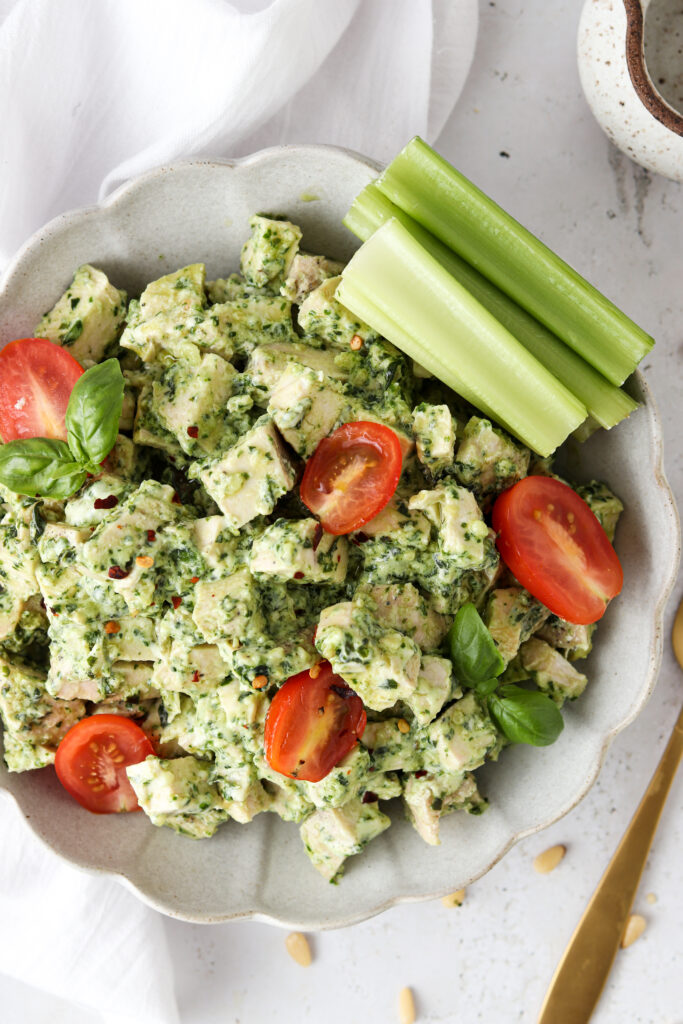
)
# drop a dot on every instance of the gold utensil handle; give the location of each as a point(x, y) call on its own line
point(582, 971)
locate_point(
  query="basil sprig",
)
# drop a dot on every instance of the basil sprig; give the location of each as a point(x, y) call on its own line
point(48, 468)
point(474, 655)
point(523, 716)
point(93, 414)
point(526, 716)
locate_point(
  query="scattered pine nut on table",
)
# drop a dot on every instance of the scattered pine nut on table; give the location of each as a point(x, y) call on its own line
point(299, 948)
point(635, 926)
point(547, 861)
point(454, 899)
point(406, 1006)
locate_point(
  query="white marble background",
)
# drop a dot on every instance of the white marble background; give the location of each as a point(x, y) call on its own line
point(524, 133)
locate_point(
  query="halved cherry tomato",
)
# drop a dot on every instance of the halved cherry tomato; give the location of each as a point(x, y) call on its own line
point(36, 381)
point(555, 546)
point(352, 475)
point(312, 724)
point(92, 758)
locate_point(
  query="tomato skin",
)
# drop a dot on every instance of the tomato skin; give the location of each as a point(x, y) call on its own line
point(312, 724)
point(352, 475)
point(97, 778)
point(36, 381)
point(554, 544)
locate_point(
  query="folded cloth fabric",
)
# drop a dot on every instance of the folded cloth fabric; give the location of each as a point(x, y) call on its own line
point(91, 94)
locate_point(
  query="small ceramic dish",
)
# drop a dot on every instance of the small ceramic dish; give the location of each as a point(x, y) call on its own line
point(631, 71)
point(199, 211)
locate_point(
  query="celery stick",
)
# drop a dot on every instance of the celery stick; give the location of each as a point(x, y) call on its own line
point(437, 196)
point(605, 402)
point(405, 294)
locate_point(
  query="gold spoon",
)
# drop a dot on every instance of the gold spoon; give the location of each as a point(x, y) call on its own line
point(582, 972)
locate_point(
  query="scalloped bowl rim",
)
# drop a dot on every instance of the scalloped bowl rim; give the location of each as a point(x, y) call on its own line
point(119, 197)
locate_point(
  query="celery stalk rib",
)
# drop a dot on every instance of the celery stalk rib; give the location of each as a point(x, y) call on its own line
point(444, 202)
point(605, 402)
point(406, 295)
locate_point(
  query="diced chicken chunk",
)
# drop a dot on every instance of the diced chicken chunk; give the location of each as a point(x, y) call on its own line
point(322, 316)
point(573, 640)
point(248, 480)
point(306, 272)
point(434, 430)
point(511, 616)
point(305, 407)
point(429, 797)
point(392, 748)
point(551, 672)
point(434, 687)
point(178, 793)
point(190, 400)
point(487, 460)
point(228, 609)
point(461, 529)
point(34, 721)
point(267, 363)
point(401, 606)
point(88, 318)
point(330, 836)
point(604, 504)
point(381, 664)
point(459, 740)
point(268, 254)
point(299, 550)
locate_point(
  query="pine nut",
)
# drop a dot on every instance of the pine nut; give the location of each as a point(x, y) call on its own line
point(406, 1007)
point(298, 948)
point(635, 926)
point(144, 561)
point(111, 627)
point(549, 859)
point(403, 726)
point(258, 682)
point(356, 342)
point(454, 899)
point(651, 898)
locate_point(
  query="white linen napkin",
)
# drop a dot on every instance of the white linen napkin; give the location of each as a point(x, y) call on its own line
point(93, 92)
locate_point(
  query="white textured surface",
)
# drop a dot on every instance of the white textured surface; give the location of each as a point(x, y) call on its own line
point(491, 960)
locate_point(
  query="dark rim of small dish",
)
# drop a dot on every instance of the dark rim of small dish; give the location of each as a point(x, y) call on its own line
point(642, 83)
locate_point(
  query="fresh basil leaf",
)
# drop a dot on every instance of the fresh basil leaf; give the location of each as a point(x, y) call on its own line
point(40, 467)
point(526, 716)
point(486, 687)
point(474, 655)
point(93, 413)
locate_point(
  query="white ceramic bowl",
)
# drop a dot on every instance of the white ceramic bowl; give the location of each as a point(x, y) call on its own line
point(199, 211)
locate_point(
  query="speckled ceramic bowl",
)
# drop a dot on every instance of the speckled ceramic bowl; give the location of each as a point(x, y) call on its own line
point(199, 211)
point(630, 56)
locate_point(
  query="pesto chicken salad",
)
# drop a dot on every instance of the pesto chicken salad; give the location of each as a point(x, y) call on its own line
point(254, 558)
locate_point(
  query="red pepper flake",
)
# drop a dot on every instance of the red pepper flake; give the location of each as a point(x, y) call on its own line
point(315, 633)
point(151, 536)
point(421, 774)
point(195, 579)
point(196, 676)
point(369, 798)
point(317, 537)
point(175, 499)
point(117, 573)
point(193, 431)
point(109, 502)
point(298, 575)
point(176, 601)
point(360, 538)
